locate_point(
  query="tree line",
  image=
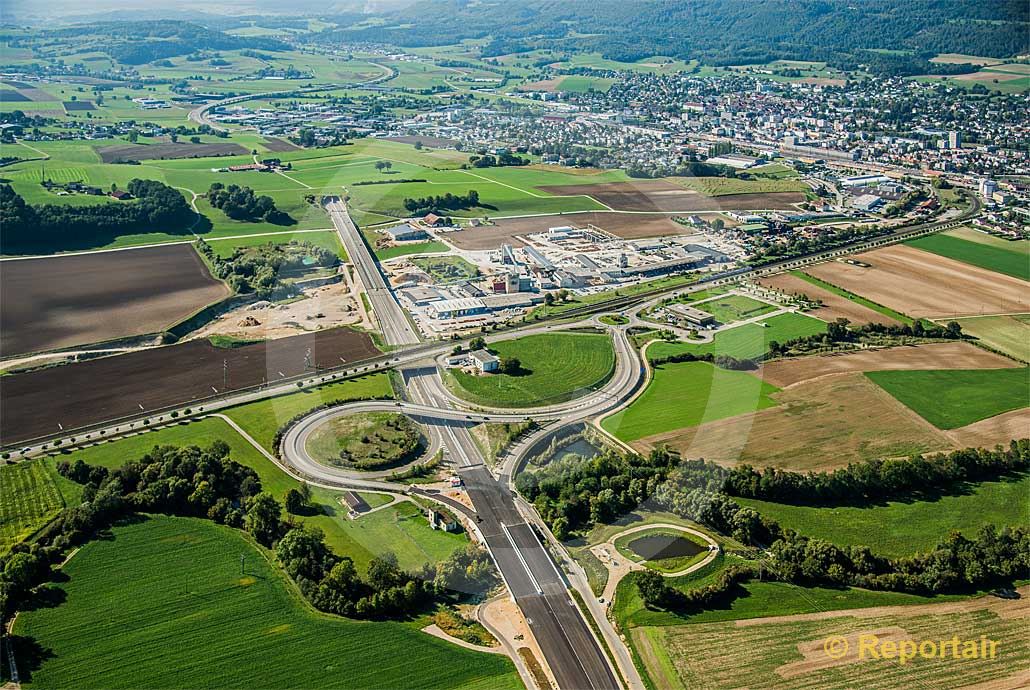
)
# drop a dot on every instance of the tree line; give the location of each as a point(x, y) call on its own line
point(207, 483)
point(574, 493)
point(240, 203)
point(878, 479)
point(157, 207)
point(446, 202)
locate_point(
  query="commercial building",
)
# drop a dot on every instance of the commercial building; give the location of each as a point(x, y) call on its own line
point(692, 315)
point(453, 308)
point(484, 361)
point(406, 232)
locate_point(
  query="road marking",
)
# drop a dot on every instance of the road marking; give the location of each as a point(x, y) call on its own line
point(522, 559)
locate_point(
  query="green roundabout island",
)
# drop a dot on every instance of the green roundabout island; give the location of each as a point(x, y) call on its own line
point(367, 441)
point(552, 368)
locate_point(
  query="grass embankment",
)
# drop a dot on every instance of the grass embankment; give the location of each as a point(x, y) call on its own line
point(31, 494)
point(492, 438)
point(193, 619)
point(685, 394)
point(263, 418)
point(555, 367)
point(1012, 261)
point(857, 299)
point(950, 398)
point(901, 528)
point(748, 341)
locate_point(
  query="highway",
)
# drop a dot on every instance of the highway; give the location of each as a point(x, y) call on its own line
point(397, 329)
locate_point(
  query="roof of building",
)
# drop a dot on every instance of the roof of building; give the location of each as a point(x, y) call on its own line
point(460, 304)
point(483, 356)
point(690, 312)
point(404, 229)
point(514, 299)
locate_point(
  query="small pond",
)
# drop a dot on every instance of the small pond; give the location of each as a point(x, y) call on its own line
point(581, 447)
point(656, 547)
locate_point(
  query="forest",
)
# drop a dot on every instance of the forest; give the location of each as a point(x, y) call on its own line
point(842, 33)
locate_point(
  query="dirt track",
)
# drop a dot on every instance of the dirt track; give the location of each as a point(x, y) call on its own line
point(834, 306)
point(73, 395)
point(660, 195)
point(921, 284)
point(63, 301)
point(947, 355)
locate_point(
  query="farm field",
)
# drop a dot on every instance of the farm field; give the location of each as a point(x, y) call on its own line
point(968, 233)
point(87, 298)
point(1009, 333)
point(835, 305)
point(902, 528)
point(819, 424)
point(921, 284)
point(556, 367)
point(328, 239)
point(662, 195)
point(33, 493)
point(192, 620)
point(724, 186)
point(953, 398)
point(36, 401)
point(1012, 261)
point(686, 394)
point(954, 355)
point(748, 341)
point(788, 652)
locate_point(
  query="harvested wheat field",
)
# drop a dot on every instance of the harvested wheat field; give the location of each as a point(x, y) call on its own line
point(834, 306)
point(820, 424)
point(922, 284)
point(947, 355)
point(662, 195)
point(993, 430)
point(788, 651)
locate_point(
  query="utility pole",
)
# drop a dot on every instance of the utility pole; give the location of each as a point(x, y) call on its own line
point(225, 375)
point(307, 360)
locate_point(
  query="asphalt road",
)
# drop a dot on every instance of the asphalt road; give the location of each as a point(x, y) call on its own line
point(393, 321)
point(569, 647)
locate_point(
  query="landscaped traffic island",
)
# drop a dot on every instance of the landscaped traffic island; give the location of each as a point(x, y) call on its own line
point(552, 368)
point(366, 441)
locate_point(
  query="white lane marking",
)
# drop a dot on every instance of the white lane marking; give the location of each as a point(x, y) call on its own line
point(522, 560)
